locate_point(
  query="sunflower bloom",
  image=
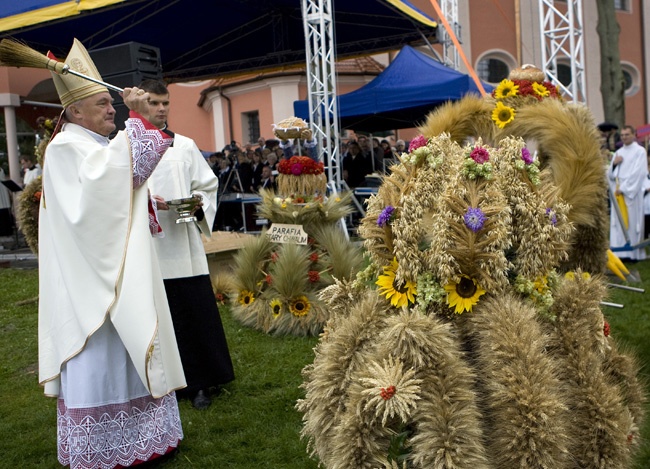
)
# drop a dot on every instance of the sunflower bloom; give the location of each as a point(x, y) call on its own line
point(464, 294)
point(540, 90)
point(299, 306)
point(276, 307)
point(502, 115)
point(506, 89)
point(246, 297)
point(399, 296)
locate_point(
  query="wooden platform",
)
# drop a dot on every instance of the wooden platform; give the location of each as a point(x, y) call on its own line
point(221, 248)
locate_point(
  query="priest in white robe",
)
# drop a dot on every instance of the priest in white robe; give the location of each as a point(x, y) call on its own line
point(183, 172)
point(627, 174)
point(107, 349)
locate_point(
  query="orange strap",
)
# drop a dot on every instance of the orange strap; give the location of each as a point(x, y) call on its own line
point(454, 39)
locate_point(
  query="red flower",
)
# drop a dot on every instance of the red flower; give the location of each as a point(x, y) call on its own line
point(606, 329)
point(313, 257)
point(37, 196)
point(298, 165)
point(314, 276)
point(268, 279)
point(480, 155)
point(417, 142)
point(296, 169)
point(274, 256)
point(387, 393)
point(299, 200)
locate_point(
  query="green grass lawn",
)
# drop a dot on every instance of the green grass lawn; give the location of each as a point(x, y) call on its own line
point(253, 422)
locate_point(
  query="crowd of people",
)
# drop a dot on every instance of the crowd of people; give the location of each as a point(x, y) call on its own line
point(253, 167)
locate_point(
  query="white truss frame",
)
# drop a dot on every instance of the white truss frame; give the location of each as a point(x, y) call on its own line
point(449, 10)
point(318, 21)
point(562, 38)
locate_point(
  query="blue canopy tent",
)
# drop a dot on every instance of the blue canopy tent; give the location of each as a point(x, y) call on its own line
point(401, 96)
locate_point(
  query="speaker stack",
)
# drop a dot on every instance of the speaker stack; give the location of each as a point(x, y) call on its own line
point(126, 65)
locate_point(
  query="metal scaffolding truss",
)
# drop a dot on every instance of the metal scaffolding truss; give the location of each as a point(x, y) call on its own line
point(318, 22)
point(563, 43)
point(449, 52)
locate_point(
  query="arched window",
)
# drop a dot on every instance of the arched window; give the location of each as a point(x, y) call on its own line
point(494, 66)
point(632, 79)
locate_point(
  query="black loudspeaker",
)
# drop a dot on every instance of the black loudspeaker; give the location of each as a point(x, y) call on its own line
point(126, 65)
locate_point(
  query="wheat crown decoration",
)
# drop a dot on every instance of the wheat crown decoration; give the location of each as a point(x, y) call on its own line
point(18, 54)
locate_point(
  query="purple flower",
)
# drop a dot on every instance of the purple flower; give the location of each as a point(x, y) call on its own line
point(551, 214)
point(385, 216)
point(417, 142)
point(480, 155)
point(474, 219)
point(296, 169)
point(525, 155)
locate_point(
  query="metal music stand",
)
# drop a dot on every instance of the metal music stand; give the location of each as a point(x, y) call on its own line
point(13, 188)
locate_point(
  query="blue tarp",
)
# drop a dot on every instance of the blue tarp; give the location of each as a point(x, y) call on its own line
point(401, 96)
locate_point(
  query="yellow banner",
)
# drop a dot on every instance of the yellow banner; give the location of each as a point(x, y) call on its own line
point(62, 10)
point(406, 7)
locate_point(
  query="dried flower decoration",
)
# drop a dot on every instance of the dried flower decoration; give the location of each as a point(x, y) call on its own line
point(464, 294)
point(299, 306)
point(505, 89)
point(399, 295)
point(387, 393)
point(390, 390)
point(550, 213)
point(276, 307)
point(386, 216)
point(417, 142)
point(480, 155)
point(246, 297)
point(502, 115)
point(474, 219)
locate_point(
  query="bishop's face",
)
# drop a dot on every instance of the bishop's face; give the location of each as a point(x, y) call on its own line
point(96, 113)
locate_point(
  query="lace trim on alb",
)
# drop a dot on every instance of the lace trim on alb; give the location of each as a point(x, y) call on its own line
point(117, 434)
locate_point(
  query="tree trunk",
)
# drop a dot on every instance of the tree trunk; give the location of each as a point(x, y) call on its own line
point(612, 86)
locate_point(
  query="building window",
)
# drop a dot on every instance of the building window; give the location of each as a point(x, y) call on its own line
point(251, 126)
point(564, 74)
point(622, 5)
point(495, 65)
point(632, 79)
point(492, 70)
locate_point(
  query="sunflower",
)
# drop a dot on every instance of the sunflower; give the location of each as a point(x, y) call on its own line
point(399, 296)
point(299, 306)
point(502, 115)
point(276, 307)
point(464, 294)
point(506, 89)
point(246, 297)
point(540, 90)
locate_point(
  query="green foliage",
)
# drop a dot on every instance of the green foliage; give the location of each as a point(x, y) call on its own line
point(253, 422)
